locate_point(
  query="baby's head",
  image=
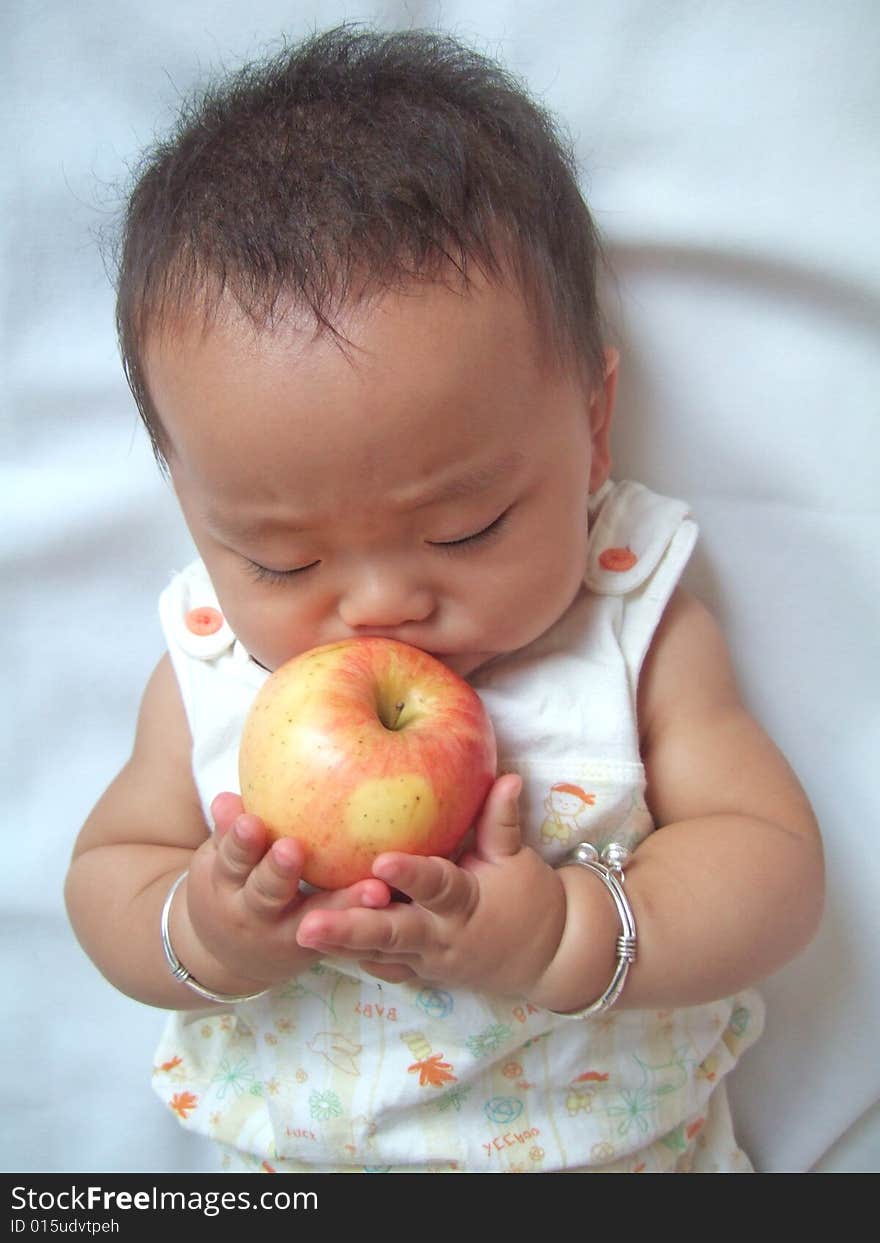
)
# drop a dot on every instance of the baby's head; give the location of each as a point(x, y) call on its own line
point(357, 309)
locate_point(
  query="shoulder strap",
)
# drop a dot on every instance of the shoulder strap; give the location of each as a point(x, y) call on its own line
point(195, 629)
point(639, 545)
point(191, 617)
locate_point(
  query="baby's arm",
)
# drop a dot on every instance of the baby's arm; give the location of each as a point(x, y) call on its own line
point(234, 921)
point(732, 885)
point(727, 889)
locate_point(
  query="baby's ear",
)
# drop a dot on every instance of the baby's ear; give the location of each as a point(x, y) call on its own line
point(601, 412)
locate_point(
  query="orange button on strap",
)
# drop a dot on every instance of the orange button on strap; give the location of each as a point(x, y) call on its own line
point(204, 620)
point(619, 560)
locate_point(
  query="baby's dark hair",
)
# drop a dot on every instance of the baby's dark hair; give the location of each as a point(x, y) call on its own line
point(354, 162)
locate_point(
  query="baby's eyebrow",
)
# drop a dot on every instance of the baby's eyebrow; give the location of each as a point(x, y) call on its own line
point(466, 483)
point(244, 529)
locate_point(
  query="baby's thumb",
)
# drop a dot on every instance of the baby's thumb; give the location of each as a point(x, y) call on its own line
point(498, 832)
point(224, 809)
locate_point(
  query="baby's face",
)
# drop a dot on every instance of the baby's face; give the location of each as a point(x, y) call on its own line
point(428, 485)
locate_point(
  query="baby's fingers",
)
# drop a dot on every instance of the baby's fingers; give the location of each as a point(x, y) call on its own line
point(274, 883)
point(391, 973)
point(239, 850)
point(371, 893)
point(395, 934)
point(498, 830)
point(273, 886)
point(225, 808)
point(435, 884)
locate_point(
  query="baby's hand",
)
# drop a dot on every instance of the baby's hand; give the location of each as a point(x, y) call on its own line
point(493, 920)
point(244, 904)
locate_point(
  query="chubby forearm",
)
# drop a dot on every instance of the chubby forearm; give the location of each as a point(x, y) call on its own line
point(720, 902)
point(114, 895)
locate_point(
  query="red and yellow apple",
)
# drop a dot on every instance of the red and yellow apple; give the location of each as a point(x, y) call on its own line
point(363, 746)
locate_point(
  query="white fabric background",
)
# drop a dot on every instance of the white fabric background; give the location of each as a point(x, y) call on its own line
point(730, 156)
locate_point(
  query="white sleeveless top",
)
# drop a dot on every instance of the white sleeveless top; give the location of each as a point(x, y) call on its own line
point(338, 1071)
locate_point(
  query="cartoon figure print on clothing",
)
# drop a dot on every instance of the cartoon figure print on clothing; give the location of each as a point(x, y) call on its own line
point(336, 1071)
point(568, 809)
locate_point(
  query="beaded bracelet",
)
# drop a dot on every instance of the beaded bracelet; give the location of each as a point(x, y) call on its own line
point(180, 972)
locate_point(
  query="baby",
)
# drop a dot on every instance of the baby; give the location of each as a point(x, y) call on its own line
point(357, 309)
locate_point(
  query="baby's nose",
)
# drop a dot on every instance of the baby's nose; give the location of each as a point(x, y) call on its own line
point(382, 598)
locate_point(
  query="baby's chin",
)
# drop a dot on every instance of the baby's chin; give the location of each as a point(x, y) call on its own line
point(467, 663)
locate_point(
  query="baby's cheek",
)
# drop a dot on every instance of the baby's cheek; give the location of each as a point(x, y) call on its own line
point(542, 600)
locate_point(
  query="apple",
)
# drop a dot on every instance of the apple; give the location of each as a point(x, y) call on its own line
point(363, 746)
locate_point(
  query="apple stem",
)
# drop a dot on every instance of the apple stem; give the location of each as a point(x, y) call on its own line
point(398, 708)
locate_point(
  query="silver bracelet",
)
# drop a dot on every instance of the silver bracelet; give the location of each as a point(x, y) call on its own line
point(179, 971)
point(609, 869)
